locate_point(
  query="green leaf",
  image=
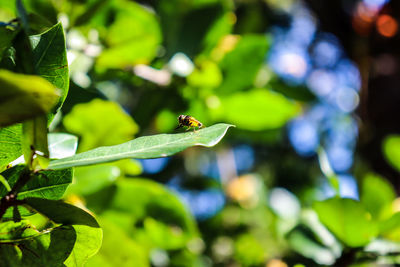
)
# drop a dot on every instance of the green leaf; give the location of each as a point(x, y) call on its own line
point(24, 97)
point(12, 231)
point(391, 149)
point(89, 179)
point(112, 253)
point(242, 64)
point(10, 144)
point(154, 146)
point(114, 127)
point(249, 250)
point(348, 220)
point(133, 38)
point(377, 195)
point(70, 244)
point(87, 244)
point(87, 230)
point(50, 59)
point(390, 228)
point(157, 219)
point(46, 184)
point(61, 212)
point(256, 110)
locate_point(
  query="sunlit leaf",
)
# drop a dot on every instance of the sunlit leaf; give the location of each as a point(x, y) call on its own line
point(154, 146)
point(256, 110)
point(377, 195)
point(114, 127)
point(391, 148)
point(166, 221)
point(89, 179)
point(112, 253)
point(46, 184)
point(10, 144)
point(241, 65)
point(16, 231)
point(50, 59)
point(348, 220)
point(24, 97)
point(390, 228)
point(133, 38)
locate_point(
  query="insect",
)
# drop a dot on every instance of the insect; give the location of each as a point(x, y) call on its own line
point(188, 121)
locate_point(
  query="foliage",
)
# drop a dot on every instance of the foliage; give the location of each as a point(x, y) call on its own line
point(139, 192)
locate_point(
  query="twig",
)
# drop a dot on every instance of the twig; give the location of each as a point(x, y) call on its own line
point(11, 198)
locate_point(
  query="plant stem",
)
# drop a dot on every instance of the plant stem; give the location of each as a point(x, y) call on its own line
point(11, 198)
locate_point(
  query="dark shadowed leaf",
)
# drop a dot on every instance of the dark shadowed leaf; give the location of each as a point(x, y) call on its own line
point(36, 95)
point(71, 243)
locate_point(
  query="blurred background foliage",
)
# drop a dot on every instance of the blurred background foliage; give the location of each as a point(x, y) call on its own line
point(309, 175)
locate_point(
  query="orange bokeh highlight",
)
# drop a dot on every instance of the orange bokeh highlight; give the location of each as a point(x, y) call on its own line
point(363, 19)
point(386, 25)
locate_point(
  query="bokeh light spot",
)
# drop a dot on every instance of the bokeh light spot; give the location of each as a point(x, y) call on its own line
point(387, 26)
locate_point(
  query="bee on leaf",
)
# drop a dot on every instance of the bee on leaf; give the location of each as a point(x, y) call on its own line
point(189, 122)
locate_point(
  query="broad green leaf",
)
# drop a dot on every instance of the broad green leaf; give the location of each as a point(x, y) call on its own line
point(208, 75)
point(87, 230)
point(61, 212)
point(151, 200)
point(154, 146)
point(133, 38)
point(45, 184)
point(24, 97)
point(62, 145)
point(157, 219)
point(391, 148)
point(70, 244)
point(89, 179)
point(390, 228)
point(112, 253)
point(185, 28)
point(249, 250)
point(348, 220)
point(377, 195)
point(49, 249)
point(50, 59)
point(241, 65)
point(113, 127)
point(10, 144)
point(87, 244)
point(256, 110)
point(164, 236)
